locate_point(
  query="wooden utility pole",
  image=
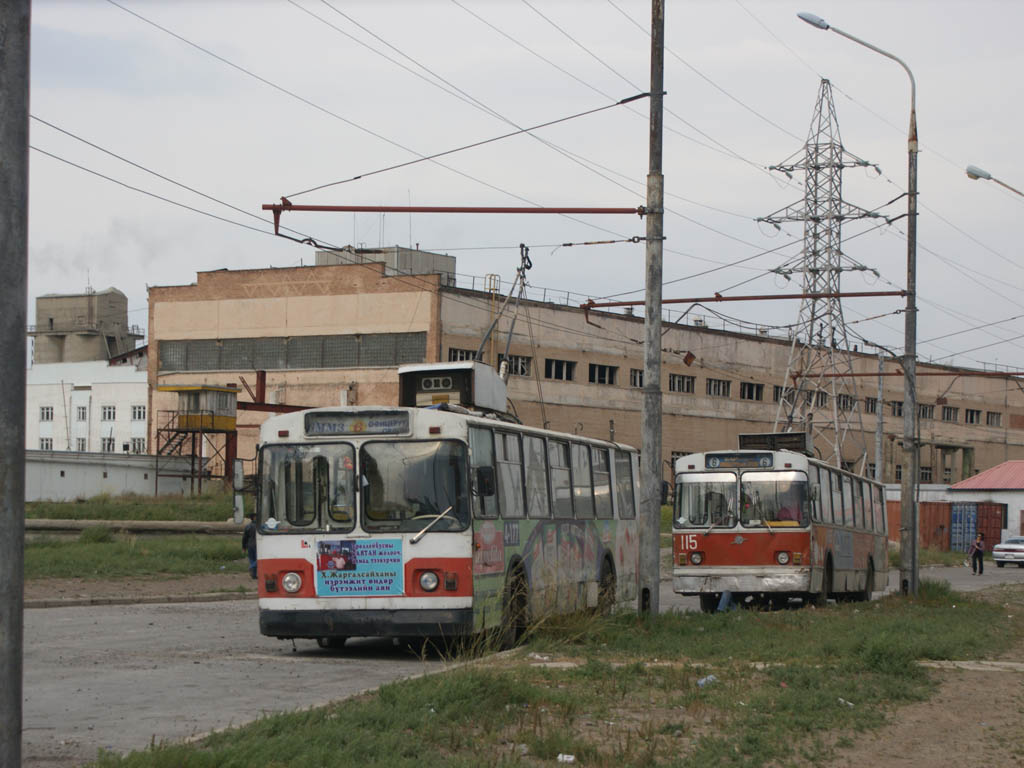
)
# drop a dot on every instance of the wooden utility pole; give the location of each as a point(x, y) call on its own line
point(14, 68)
point(650, 456)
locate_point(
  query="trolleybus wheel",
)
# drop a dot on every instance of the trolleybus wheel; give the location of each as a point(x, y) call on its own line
point(709, 603)
point(513, 615)
point(331, 642)
point(821, 598)
point(606, 589)
point(869, 583)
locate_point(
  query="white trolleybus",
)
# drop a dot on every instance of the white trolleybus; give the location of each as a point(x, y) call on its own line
point(769, 525)
point(437, 521)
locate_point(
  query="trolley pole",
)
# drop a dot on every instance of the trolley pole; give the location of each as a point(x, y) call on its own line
point(650, 471)
point(14, 68)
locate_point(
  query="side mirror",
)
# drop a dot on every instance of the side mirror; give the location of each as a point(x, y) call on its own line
point(237, 476)
point(485, 481)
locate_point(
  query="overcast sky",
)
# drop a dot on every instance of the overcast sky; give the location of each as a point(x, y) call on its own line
point(247, 101)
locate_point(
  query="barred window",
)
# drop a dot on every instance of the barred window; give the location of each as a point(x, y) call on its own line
point(949, 413)
point(456, 355)
point(751, 391)
point(518, 365)
point(870, 405)
point(718, 387)
point(680, 383)
point(845, 402)
point(602, 374)
point(994, 419)
point(560, 370)
point(972, 416)
point(783, 394)
point(926, 411)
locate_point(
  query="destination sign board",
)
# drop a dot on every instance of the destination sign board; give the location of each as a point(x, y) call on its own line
point(329, 423)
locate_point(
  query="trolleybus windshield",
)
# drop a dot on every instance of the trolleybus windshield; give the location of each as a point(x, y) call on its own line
point(706, 499)
point(307, 487)
point(406, 484)
point(778, 498)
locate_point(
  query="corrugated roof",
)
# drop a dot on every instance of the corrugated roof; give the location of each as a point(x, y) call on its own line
point(1008, 476)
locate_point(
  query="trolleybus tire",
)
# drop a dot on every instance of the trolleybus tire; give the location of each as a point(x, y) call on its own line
point(513, 614)
point(869, 583)
point(821, 598)
point(331, 642)
point(606, 588)
point(709, 603)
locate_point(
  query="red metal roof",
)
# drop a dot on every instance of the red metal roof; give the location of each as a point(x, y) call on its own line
point(1008, 476)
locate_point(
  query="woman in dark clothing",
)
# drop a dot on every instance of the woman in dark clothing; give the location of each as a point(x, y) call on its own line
point(977, 553)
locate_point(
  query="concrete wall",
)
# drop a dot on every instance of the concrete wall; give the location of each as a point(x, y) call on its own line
point(66, 476)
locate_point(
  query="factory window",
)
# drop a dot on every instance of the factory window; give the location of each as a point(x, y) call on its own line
point(949, 413)
point(870, 405)
point(108, 413)
point(107, 444)
point(994, 419)
point(845, 402)
point(751, 391)
point(899, 473)
point(926, 411)
point(138, 413)
point(926, 475)
point(457, 355)
point(46, 413)
point(602, 374)
point(45, 443)
point(972, 416)
point(783, 394)
point(718, 387)
point(81, 413)
point(560, 370)
point(81, 444)
point(518, 365)
point(679, 383)
point(897, 407)
point(636, 378)
point(138, 445)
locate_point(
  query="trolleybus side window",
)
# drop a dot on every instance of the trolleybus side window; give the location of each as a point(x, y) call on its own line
point(848, 518)
point(409, 484)
point(869, 519)
point(625, 504)
point(535, 460)
point(879, 505)
point(481, 449)
point(825, 495)
point(561, 487)
point(510, 474)
point(602, 483)
point(837, 497)
point(582, 483)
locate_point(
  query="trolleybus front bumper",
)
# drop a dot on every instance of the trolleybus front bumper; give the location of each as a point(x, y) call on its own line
point(409, 622)
point(742, 579)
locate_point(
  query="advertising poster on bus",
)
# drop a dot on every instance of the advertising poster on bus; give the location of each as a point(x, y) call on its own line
point(359, 568)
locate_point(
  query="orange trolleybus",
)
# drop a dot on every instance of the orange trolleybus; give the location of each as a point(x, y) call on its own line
point(436, 521)
point(770, 525)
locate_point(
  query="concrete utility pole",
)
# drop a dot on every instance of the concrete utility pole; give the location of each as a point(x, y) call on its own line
point(14, 68)
point(650, 471)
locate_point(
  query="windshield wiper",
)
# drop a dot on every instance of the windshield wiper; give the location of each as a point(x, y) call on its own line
point(428, 526)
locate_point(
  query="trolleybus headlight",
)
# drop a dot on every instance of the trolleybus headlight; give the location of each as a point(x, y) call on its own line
point(428, 581)
point(696, 558)
point(292, 582)
point(782, 558)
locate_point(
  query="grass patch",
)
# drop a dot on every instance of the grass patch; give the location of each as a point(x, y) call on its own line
point(931, 557)
point(214, 506)
point(98, 553)
point(634, 696)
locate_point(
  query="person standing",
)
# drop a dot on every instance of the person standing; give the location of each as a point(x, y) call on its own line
point(249, 543)
point(977, 553)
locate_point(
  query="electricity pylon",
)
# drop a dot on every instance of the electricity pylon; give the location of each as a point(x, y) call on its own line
point(817, 397)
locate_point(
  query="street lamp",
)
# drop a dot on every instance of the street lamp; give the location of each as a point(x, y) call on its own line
point(908, 490)
point(974, 172)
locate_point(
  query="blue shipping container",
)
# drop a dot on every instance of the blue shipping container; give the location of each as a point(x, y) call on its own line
point(963, 525)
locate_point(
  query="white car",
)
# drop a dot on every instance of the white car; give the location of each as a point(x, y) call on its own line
point(1010, 551)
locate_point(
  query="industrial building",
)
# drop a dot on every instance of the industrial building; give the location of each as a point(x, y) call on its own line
point(336, 333)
